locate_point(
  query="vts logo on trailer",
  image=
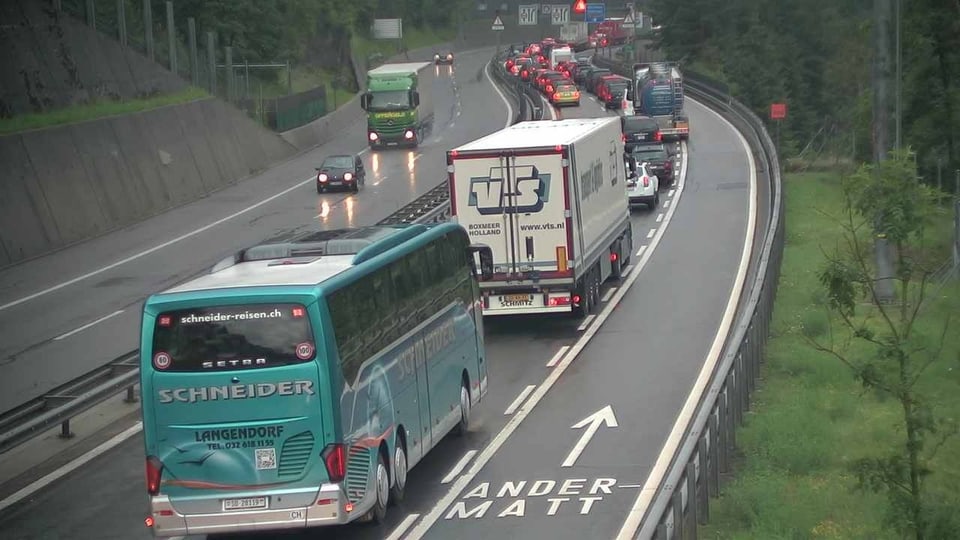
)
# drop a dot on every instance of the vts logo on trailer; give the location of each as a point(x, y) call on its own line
point(489, 195)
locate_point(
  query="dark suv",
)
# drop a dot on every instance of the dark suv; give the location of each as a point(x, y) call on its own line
point(659, 159)
point(639, 130)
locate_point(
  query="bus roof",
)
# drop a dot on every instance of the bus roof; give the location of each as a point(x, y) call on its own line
point(301, 258)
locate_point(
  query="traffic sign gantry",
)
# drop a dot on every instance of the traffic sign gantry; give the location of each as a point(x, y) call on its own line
point(497, 24)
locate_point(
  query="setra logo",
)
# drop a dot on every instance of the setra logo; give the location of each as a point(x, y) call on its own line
point(490, 195)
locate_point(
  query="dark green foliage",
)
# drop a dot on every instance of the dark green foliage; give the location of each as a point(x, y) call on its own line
point(816, 56)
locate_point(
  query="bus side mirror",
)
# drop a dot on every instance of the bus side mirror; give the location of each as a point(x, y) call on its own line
point(483, 259)
point(365, 100)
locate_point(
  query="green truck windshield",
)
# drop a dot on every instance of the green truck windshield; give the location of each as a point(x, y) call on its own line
point(388, 100)
point(232, 337)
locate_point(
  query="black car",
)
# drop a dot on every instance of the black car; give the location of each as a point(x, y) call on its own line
point(618, 90)
point(659, 159)
point(591, 81)
point(341, 171)
point(443, 58)
point(639, 130)
point(582, 74)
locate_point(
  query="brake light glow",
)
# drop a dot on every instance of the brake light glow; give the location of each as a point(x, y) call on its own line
point(623, 137)
point(576, 299)
point(298, 313)
point(559, 301)
point(558, 148)
point(335, 460)
point(154, 473)
point(613, 257)
point(164, 321)
point(149, 521)
point(646, 181)
point(658, 136)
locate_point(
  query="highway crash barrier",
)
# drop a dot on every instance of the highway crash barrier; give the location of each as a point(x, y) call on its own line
point(678, 499)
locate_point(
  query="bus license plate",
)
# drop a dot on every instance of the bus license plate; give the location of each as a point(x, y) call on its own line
point(246, 503)
point(516, 298)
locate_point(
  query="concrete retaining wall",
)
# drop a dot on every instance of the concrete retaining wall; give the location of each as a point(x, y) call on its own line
point(65, 184)
point(69, 183)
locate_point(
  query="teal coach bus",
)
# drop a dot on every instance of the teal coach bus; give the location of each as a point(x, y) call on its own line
point(297, 383)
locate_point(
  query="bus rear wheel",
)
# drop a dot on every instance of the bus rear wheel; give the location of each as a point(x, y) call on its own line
point(399, 473)
point(378, 513)
point(464, 425)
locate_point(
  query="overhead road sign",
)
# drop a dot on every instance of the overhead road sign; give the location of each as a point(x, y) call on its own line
point(596, 12)
point(497, 24)
point(559, 14)
point(580, 6)
point(528, 14)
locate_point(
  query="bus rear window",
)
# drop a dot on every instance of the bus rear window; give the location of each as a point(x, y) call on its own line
point(232, 337)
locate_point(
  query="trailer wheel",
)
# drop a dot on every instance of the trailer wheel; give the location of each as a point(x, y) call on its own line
point(585, 299)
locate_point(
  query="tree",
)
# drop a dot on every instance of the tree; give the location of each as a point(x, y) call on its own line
point(897, 353)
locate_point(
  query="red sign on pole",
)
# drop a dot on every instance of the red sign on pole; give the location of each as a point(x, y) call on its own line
point(778, 111)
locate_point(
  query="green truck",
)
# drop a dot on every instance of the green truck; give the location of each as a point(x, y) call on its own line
point(399, 104)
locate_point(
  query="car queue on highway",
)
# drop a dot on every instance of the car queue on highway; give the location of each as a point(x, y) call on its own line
point(551, 67)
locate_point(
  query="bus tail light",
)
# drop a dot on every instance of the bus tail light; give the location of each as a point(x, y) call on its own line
point(335, 459)
point(154, 472)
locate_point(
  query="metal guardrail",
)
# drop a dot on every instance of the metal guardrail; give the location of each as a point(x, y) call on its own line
point(67, 401)
point(64, 403)
point(681, 499)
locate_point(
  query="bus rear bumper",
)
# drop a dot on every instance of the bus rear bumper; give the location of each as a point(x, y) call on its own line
point(328, 509)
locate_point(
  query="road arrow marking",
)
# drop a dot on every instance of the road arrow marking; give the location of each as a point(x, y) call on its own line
point(603, 416)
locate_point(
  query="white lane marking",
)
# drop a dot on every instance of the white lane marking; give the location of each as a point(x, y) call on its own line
point(606, 297)
point(651, 233)
point(403, 526)
point(626, 271)
point(672, 444)
point(519, 401)
point(660, 217)
point(556, 357)
point(549, 107)
point(586, 323)
point(500, 438)
point(458, 467)
point(70, 467)
point(666, 203)
point(640, 251)
point(88, 325)
point(155, 248)
point(670, 193)
point(506, 101)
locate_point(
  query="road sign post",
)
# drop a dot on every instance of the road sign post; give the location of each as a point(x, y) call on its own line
point(498, 28)
point(778, 111)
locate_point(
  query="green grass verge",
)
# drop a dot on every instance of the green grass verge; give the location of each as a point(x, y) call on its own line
point(811, 419)
point(100, 109)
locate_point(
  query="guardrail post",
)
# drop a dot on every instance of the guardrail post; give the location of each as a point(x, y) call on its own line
point(693, 499)
point(703, 498)
point(713, 478)
point(723, 421)
point(676, 504)
point(131, 396)
point(65, 432)
point(733, 406)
